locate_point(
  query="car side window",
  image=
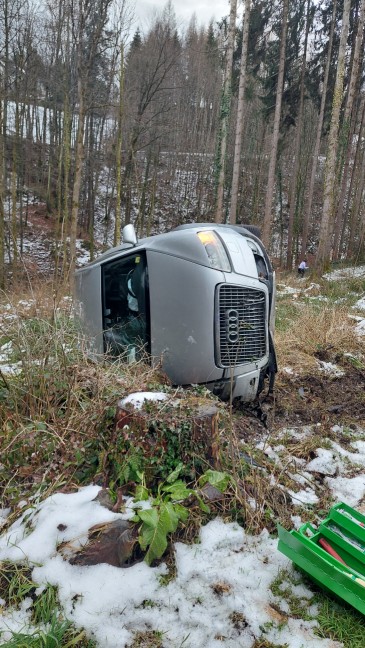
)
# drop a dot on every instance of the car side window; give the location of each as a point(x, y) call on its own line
point(125, 306)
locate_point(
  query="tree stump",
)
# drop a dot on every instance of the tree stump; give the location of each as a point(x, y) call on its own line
point(188, 426)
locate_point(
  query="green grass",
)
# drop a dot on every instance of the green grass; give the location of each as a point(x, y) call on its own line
point(286, 314)
point(59, 633)
point(15, 583)
point(339, 622)
point(51, 630)
point(281, 587)
point(336, 620)
point(348, 289)
point(148, 639)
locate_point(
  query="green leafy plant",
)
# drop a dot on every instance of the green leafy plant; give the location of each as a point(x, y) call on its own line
point(163, 517)
point(166, 510)
point(219, 480)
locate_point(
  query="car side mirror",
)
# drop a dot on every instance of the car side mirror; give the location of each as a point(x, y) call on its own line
point(129, 234)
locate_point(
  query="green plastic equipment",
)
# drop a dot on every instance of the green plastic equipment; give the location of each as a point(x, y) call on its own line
point(343, 533)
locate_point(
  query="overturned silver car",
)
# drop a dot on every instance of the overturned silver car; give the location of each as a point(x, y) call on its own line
point(198, 300)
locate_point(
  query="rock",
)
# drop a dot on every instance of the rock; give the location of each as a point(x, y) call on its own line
point(104, 498)
point(111, 543)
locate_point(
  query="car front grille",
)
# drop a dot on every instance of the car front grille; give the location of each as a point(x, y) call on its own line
point(242, 325)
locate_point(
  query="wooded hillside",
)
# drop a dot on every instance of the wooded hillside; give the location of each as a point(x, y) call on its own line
point(256, 119)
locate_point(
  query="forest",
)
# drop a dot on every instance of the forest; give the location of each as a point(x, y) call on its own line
point(257, 119)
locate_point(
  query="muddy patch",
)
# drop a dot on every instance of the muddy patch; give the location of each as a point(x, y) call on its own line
point(319, 399)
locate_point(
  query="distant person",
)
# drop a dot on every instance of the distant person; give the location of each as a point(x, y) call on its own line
point(302, 267)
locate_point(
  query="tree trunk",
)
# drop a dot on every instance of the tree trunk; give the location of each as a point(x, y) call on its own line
point(359, 170)
point(353, 183)
point(2, 215)
point(266, 231)
point(298, 137)
point(325, 236)
point(347, 122)
point(79, 155)
point(308, 209)
point(118, 154)
point(14, 186)
point(240, 114)
point(225, 111)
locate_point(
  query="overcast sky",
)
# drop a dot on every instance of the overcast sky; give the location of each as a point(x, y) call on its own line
point(184, 9)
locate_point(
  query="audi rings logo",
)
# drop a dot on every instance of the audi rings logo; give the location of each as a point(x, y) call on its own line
point(232, 325)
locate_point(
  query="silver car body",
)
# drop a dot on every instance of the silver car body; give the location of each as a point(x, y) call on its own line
point(208, 307)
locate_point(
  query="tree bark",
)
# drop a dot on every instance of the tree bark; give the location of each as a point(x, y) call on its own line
point(118, 154)
point(348, 123)
point(298, 136)
point(2, 215)
point(266, 231)
point(308, 209)
point(225, 111)
point(240, 114)
point(359, 173)
point(79, 155)
point(349, 212)
point(325, 236)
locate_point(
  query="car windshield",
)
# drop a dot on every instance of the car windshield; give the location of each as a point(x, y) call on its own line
point(125, 306)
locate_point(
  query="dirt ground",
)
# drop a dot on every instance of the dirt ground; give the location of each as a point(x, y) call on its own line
point(300, 400)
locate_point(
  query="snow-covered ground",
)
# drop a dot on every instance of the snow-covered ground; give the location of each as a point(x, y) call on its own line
point(220, 595)
point(224, 576)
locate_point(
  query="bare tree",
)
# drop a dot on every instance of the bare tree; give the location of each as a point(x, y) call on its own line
point(89, 22)
point(266, 230)
point(296, 153)
point(225, 112)
point(151, 96)
point(240, 113)
point(118, 151)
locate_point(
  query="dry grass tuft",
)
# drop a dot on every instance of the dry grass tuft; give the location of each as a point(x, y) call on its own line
point(312, 331)
point(57, 414)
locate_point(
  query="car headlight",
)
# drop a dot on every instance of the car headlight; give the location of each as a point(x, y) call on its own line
point(215, 250)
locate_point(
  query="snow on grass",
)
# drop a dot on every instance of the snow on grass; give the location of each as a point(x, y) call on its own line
point(4, 513)
point(330, 369)
point(83, 255)
point(360, 304)
point(11, 369)
point(288, 370)
point(7, 367)
point(347, 489)
point(360, 327)
point(139, 398)
point(303, 497)
point(345, 273)
point(282, 289)
point(226, 572)
point(5, 350)
point(325, 463)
